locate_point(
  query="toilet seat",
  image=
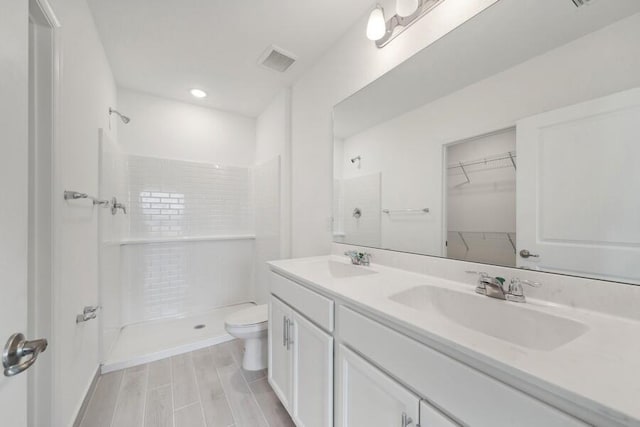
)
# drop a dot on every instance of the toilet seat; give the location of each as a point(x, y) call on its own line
point(251, 318)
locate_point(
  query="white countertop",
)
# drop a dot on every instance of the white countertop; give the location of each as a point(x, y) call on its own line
point(599, 370)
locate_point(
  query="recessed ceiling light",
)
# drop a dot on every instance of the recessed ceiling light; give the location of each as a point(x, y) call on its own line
point(198, 93)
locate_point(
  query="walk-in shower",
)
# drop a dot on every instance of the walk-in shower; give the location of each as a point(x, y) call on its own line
point(188, 253)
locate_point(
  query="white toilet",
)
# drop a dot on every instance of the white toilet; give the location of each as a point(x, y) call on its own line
point(250, 325)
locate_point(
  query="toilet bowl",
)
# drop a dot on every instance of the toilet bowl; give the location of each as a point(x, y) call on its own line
point(250, 325)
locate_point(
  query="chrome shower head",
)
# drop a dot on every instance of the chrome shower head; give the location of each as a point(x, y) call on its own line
point(124, 118)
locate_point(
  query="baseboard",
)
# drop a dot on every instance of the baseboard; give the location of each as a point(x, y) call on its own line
point(87, 398)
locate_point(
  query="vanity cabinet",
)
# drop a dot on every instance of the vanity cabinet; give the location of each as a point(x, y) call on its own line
point(280, 357)
point(300, 365)
point(312, 374)
point(368, 397)
point(384, 377)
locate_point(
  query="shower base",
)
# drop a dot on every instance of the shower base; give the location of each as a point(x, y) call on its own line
point(146, 342)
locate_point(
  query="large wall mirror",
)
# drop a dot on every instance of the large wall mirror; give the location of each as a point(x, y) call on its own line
point(514, 140)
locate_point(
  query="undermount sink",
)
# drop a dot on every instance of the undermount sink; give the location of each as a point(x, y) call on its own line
point(510, 322)
point(340, 270)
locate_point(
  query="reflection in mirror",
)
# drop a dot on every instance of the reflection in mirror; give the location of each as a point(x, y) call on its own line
point(481, 199)
point(522, 155)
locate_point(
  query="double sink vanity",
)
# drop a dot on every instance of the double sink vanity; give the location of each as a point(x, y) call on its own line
point(508, 144)
point(355, 346)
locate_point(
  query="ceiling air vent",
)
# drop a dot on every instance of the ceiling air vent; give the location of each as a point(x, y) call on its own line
point(579, 3)
point(276, 59)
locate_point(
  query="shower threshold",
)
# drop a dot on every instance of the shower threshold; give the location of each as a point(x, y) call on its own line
point(146, 342)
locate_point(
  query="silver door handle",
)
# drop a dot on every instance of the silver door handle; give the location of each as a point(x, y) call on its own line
point(284, 331)
point(18, 347)
point(526, 254)
point(289, 340)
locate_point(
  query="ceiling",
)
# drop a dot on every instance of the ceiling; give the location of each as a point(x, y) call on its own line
point(166, 47)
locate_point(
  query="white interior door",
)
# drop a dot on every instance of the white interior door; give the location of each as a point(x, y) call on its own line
point(578, 204)
point(14, 192)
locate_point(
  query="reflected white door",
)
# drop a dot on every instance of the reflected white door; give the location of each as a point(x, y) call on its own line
point(578, 180)
point(14, 193)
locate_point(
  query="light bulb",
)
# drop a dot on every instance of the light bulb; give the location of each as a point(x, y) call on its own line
point(376, 27)
point(406, 8)
point(198, 93)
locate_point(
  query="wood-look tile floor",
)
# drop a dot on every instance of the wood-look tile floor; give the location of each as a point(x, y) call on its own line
point(207, 387)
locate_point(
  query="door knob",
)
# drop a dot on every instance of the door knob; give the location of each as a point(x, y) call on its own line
point(526, 254)
point(18, 347)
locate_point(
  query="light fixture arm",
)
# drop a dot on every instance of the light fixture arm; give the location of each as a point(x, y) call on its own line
point(425, 6)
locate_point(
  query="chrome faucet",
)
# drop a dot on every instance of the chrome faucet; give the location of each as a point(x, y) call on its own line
point(115, 205)
point(489, 286)
point(494, 287)
point(359, 258)
point(515, 292)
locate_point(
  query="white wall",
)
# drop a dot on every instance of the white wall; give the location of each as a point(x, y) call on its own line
point(267, 223)
point(273, 139)
point(349, 65)
point(87, 91)
point(114, 182)
point(169, 129)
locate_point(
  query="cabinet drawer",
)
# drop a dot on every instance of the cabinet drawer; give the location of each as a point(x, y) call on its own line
point(314, 306)
point(463, 392)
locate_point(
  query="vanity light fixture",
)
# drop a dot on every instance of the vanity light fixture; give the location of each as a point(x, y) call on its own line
point(198, 93)
point(376, 27)
point(382, 31)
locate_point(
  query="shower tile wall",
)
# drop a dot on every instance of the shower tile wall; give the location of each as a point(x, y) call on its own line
point(170, 279)
point(177, 198)
point(171, 198)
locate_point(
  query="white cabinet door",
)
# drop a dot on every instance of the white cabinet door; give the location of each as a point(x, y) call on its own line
point(280, 354)
point(578, 182)
point(430, 417)
point(370, 398)
point(312, 374)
